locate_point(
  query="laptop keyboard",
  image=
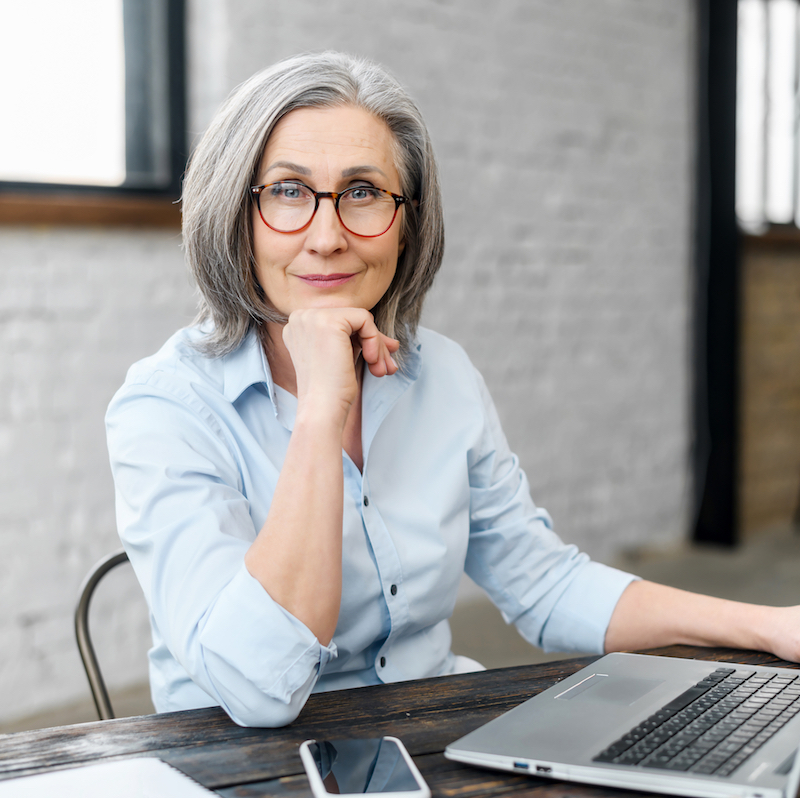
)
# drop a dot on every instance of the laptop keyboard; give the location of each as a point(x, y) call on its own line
point(714, 726)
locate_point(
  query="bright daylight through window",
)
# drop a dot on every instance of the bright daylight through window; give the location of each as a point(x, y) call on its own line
point(89, 94)
point(767, 162)
point(64, 92)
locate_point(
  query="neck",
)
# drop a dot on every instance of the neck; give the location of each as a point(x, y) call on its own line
point(280, 361)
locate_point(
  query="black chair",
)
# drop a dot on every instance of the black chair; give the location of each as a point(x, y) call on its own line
point(85, 647)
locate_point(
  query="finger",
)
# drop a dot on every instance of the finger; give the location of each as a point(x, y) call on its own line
point(372, 340)
point(377, 352)
point(385, 365)
point(356, 343)
point(359, 326)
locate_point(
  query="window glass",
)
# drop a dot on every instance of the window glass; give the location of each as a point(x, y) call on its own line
point(766, 126)
point(88, 93)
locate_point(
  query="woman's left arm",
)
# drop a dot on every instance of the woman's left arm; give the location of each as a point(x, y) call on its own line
point(649, 615)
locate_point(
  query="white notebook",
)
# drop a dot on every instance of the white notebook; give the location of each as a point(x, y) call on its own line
point(144, 777)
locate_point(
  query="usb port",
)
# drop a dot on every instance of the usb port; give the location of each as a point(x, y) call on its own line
point(543, 769)
point(522, 766)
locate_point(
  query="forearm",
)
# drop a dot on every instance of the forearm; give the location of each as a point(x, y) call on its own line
point(297, 555)
point(650, 615)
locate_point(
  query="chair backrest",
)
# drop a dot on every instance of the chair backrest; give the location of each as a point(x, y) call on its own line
point(85, 647)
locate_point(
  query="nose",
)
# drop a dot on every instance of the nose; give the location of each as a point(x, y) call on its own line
point(325, 234)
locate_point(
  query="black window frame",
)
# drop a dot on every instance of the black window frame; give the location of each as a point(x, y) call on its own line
point(717, 299)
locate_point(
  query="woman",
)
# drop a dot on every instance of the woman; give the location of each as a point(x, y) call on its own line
point(303, 476)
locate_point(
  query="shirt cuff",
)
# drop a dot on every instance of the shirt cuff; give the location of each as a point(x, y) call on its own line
point(579, 620)
point(250, 637)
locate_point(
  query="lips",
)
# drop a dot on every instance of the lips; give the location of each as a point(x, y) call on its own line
point(325, 280)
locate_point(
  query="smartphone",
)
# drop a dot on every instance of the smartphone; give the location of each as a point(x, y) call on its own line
point(367, 765)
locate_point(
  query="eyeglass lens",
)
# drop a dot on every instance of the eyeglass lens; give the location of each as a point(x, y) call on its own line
point(363, 210)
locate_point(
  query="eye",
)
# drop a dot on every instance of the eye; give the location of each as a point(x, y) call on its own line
point(363, 194)
point(288, 191)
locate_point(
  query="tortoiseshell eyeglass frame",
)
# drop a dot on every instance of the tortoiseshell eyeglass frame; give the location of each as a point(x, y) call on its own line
point(255, 194)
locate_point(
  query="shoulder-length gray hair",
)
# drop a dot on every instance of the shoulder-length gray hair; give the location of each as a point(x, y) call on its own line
point(217, 219)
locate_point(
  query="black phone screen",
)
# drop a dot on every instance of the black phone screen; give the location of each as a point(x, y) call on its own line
point(372, 765)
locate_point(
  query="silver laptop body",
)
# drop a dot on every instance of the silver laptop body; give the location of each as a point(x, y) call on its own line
point(558, 733)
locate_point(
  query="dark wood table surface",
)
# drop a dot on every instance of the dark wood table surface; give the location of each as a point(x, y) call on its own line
point(427, 715)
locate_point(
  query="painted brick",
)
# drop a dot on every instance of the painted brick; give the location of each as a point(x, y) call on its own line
point(564, 131)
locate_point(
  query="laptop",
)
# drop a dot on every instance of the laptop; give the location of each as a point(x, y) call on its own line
point(659, 724)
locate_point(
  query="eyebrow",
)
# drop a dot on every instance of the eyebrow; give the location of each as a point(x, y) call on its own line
point(303, 170)
point(292, 167)
point(359, 170)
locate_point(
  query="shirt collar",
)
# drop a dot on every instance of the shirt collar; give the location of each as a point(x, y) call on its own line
point(413, 360)
point(381, 393)
point(248, 365)
point(245, 366)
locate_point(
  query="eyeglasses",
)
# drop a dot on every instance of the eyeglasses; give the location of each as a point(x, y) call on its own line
point(289, 207)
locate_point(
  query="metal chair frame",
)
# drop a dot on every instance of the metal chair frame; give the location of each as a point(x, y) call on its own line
point(96, 683)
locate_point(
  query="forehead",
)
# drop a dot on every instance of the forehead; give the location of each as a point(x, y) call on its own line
point(331, 139)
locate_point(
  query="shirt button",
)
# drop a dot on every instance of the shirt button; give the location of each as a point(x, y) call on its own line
point(394, 590)
point(383, 662)
point(366, 501)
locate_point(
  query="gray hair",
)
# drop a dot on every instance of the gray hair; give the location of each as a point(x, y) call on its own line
point(217, 220)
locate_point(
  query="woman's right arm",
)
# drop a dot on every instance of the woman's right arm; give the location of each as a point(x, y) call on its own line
point(297, 556)
point(186, 500)
point(185, 503)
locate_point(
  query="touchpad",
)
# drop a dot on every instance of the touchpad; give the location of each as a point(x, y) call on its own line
point(610, 689)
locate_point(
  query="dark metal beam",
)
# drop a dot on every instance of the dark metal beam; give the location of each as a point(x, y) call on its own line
point(717, 289)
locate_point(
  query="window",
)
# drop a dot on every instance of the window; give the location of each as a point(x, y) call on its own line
point(767, 163)
point(94, 97)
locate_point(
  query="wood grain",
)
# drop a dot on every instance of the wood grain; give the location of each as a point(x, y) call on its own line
point(427, 715)
point(88, 209)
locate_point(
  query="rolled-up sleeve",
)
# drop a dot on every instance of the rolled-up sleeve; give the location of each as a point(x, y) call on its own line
point(186, 524)
point(556, 596)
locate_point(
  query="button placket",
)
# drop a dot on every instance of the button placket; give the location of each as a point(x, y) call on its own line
point(390, 572)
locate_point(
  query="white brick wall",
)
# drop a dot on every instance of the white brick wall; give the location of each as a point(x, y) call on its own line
point(565, 136)
point(564, 131)
point(76, 308)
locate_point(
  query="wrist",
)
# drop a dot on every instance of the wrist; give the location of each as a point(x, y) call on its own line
point(763, 627)
point(320, 419)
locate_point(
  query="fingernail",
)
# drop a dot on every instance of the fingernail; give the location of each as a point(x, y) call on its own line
point(393, 361)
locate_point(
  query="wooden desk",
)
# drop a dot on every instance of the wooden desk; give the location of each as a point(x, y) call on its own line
point(426, 714)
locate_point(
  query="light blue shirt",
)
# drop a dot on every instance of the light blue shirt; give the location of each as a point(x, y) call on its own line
point(196, 447)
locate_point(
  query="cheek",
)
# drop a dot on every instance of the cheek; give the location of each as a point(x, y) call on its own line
point(385, 262)
point(258, 238)
point(400, 245)
point(271, 250)
point(393, 247)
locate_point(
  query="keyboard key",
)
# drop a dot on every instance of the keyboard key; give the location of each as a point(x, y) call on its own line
point(712, 727)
